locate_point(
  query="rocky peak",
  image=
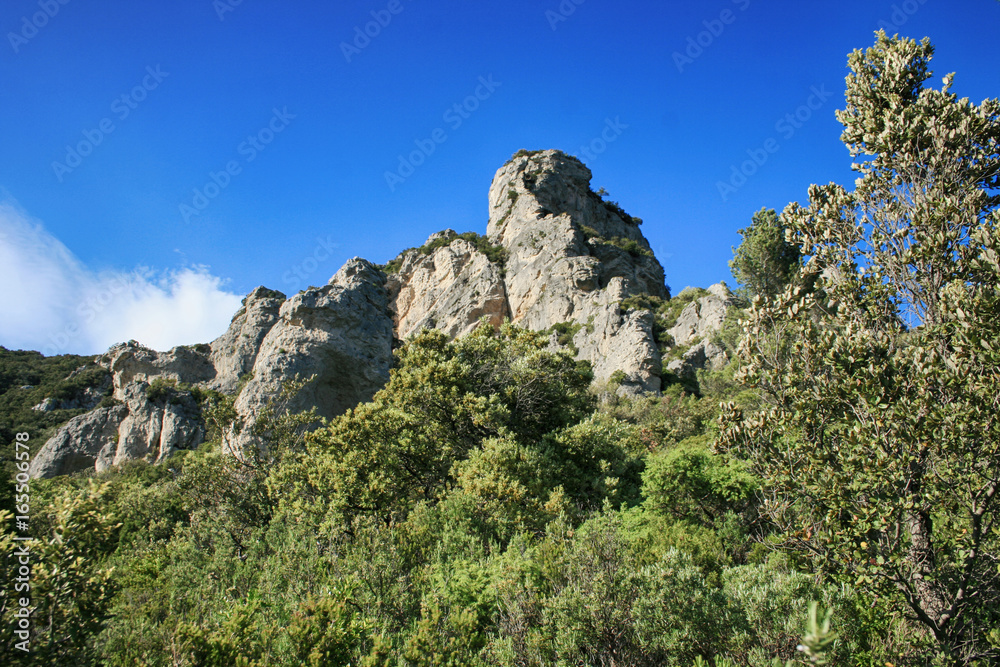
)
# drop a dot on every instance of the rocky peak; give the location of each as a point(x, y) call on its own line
point(572, 258)
point(234, 352)
point(557, 257)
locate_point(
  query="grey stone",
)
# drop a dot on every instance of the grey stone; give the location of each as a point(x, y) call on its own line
point(338, 336)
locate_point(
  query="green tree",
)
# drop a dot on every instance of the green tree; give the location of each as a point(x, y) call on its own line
point(71, 586)
point(689, 482)
point(765, 262)
point(445, 399)
point(880, 449)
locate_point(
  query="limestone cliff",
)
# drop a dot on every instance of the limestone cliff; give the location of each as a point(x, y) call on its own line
point(557, 257)
point(569, 258)
point(449, 288)
point(338, 337)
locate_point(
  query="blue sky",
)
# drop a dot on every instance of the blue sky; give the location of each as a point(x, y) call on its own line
point(115, 113)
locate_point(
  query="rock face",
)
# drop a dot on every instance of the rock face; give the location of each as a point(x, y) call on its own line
point(340, 335)
point(234, 352)
point(80, 444)
point(557, 257)
point(450, 289)
point(570, 260)
point(143, 424)
point(702, 316)
point(573, 258)
point(155, 427)
point(703, 355)
point(699, 319)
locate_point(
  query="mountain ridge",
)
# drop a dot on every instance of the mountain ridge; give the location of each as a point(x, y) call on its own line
point(556, 258)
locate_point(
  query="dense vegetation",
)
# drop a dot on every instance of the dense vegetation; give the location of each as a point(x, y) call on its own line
point(26, 380)
point(482, 509)
point(828, 498)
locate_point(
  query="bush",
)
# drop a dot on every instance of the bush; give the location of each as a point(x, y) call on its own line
point(688, 482)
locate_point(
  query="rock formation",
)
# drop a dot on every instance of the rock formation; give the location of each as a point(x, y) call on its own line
point(338, 337)
point(449, 289)
point(557, 257)
point(699, 319)
point(80, 444)
point(702, 316)
point(235, 352)
point(572, 258)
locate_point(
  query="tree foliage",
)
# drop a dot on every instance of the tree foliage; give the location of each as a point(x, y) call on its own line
point(765, 262)
point(881, 444)
point(495, 393)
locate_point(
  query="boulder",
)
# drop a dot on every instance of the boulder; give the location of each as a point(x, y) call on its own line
point(339, 337)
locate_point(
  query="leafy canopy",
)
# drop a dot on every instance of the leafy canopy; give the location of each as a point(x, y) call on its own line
point(765, 262)
point(880, 447)
point(444, 400)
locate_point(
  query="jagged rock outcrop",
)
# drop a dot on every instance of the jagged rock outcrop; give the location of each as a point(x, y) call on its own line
point(572, 258)
point(616, 341)
point(557, 257)
point(340, 335)
point(449, 288)
point(155, 426)
point(703, 315)
point(695, 324)
point(80, 444)
point(137, 426)
point(234, 352)
point(132, 362)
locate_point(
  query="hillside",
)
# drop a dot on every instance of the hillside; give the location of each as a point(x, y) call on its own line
point(522, 449)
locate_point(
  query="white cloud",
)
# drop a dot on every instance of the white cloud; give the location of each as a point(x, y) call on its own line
point(51, 302)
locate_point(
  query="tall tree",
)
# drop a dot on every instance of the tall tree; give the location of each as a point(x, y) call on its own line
point(765, 262)
point(880, 446)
